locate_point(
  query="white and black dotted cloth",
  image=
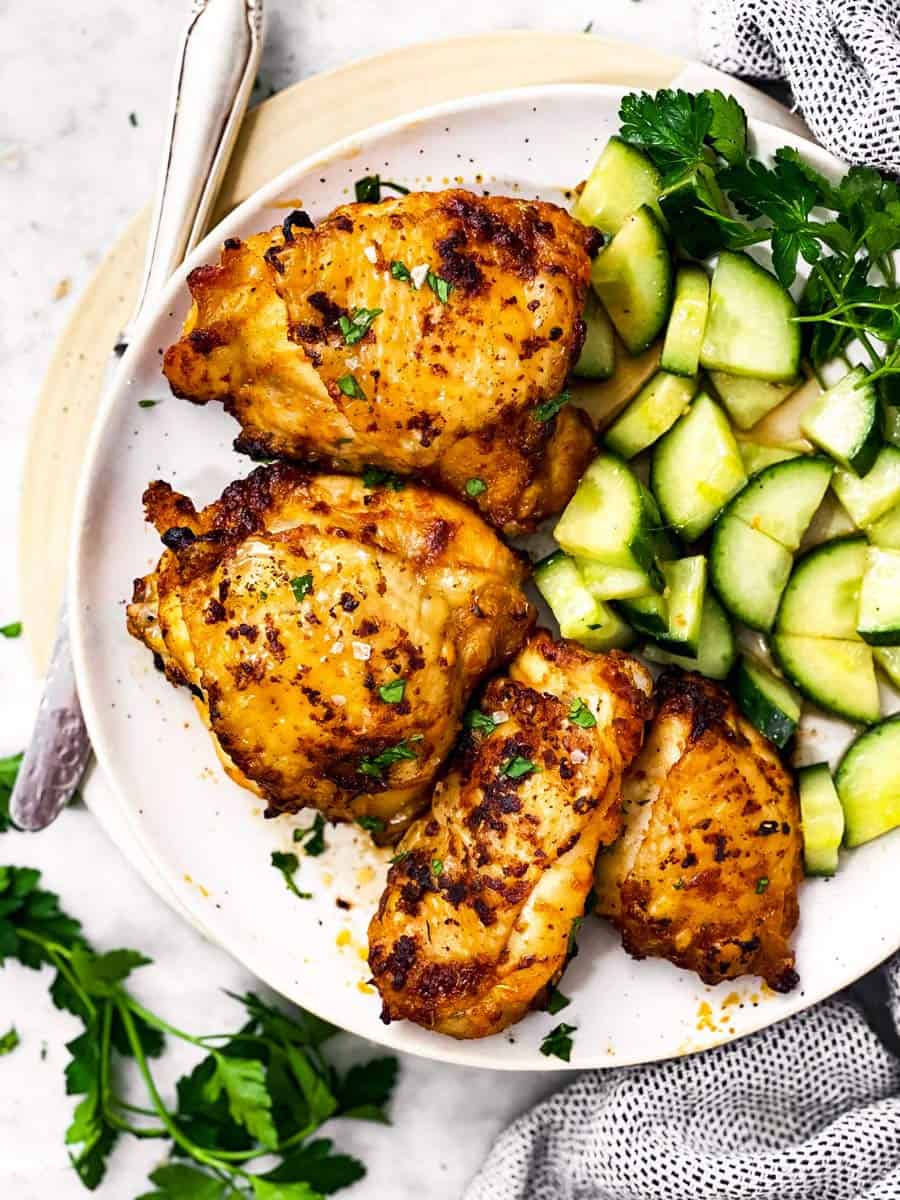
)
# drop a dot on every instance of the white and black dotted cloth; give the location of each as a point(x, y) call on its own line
point(841, 59)
point(806, 1110)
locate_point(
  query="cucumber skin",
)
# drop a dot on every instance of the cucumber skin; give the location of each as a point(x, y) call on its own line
point(762, 713)
point(690, 305)
point(821, 860)
point(784, 662)
point(718, 567)
point(856, 831)
point(727, 654)
point(637, 343)
point(864, 457)
point(801, 566)
point(598, 354)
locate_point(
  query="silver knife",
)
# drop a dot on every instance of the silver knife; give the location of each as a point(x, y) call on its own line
point(217, 64)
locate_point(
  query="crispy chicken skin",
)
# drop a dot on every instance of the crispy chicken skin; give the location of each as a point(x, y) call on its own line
point(291, 601)
point(445, 391)
point(475, 919)
point(707, 871)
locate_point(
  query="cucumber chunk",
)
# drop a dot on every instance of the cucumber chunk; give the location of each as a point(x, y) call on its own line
point(598, 354)
point(750, 330)
point(749, 571)
point(871, 497)
point(633, 278)
point(611, 518)
point(623, 179)
point(616, 583)
point(685, 588)
point(885, 532)
point(579, 615)
point(696, 468)
point(716, 650)
point(749, 400)
point(767, 702)
point(879, 598)
point(888, 659)
point(835, 674)
point(782, 500)
point(822, 817)
point(844, 421)
point(687, 324)
point(647, 614)
point(822, 598)
point(653, 411)
point(868, 783)
point(757, 457)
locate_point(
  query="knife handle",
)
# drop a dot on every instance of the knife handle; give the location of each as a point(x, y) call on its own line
point(216, 67)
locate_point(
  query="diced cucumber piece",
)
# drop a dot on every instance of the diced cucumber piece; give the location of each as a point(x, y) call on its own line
point(647, 614)
point(822, 817)
point(611, 518)
point(633, 278)
point(844, 421)
point(623, 179)
point(822, 598)
point(701, 235)
point(890, 422)
point(685, 588)
point(750, 330)
point(868, 783)
point(687, 324)
point(879, 598)
point(749, 400)
point(716, 650)
point(615, 583)
point(783, 499)
point(885, 532)
point(696, 469)
point(654, 410)
point(598, 354)
point(757, 458)
point(835, 674)
point(767, 702)
point(888, 658)
point(749, 571)
point(579, 615)
point(871, 497)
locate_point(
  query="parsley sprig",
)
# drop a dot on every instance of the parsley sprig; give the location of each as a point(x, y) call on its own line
point(263, 1090)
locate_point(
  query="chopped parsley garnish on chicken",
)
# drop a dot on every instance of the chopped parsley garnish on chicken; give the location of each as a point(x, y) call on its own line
point(301, 585)
point(350, 387)
point(400, 271)
point(357, 325)
point(480, 722)
point(287, 864)
point(374, 477)
point(370, 824)
point(517, 767)
point(437, 866)
point(393, 692)
point(580, 714)
point(558, 1042)
point(556, 1001)
point(441, 287)
point(376, 765)
point(548, 410)
point(475, 487)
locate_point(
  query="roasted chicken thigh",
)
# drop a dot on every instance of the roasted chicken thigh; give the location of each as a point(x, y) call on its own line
point(708, 869)
point(474, 923)
point(427, 334)
point(331, 633)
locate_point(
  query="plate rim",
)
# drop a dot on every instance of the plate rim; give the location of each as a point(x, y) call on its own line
point(155, 871)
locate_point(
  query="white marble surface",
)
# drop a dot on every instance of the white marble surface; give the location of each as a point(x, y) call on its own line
point(73, 168)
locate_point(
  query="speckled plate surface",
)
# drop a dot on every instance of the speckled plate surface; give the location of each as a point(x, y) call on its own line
point(203, 842)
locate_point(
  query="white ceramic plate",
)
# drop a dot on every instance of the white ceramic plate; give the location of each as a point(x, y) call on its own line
point(201, 841)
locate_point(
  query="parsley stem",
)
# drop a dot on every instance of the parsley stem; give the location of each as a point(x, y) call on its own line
point(860, 333)
point(152, 1019)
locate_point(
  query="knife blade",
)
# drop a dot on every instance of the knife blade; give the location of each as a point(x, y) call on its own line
point(217, 63)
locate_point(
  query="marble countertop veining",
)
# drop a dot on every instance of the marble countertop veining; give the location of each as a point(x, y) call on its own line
point(85, 87)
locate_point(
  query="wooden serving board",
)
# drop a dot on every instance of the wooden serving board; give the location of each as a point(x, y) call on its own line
point(300, 120)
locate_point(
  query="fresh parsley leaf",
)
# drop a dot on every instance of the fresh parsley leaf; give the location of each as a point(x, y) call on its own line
point(517, 767)
point(357, 325)
point(393, 692)
point(549, 408)
point(580, 714)
point(441, 287)
point(98, 974)
point(315, 1165)
point(312, 839)
point(12, 630)
point(400, 271)
point(762, 885)
point(349, 386)
point(558, 1042)
point(475, 487)
point(376, 765)
point(398, 857)
point(243, 1081)
point(302, 585)
point(437, 866)
point(670, 126)
point(9, 769)
point(263, 1190)
point(176, 1181)
point(480, 722)
point(366, 1088)
point(147, 403)
point(556, 1001)
point(728, 128)
point(370, 824)
point(374, 477)
point(9, 1041)
point(287, 864)
point(368, 189)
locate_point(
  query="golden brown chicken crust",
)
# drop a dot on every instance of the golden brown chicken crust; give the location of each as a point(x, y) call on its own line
point(446, 391)
point(708, 869)
point(289, 603)
point(474, 922)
